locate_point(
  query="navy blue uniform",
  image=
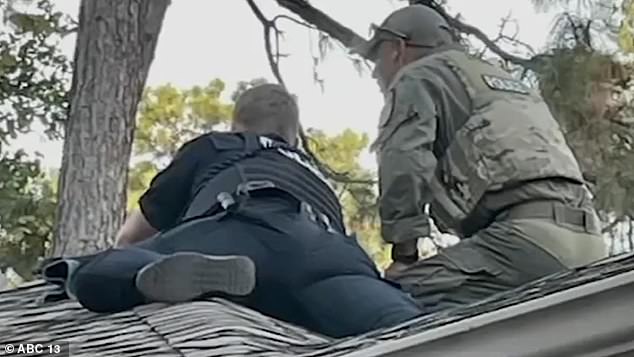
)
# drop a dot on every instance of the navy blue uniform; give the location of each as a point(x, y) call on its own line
point(308, 271)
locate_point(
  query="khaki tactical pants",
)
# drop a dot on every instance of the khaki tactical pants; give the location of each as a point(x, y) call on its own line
point(500, 257)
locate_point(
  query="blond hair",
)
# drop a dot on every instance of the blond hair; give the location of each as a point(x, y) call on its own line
point(267, 109)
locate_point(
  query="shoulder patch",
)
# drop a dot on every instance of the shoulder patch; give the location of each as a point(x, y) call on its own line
point(505, 84)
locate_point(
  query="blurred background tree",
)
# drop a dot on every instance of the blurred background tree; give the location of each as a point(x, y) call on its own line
point(34, 82)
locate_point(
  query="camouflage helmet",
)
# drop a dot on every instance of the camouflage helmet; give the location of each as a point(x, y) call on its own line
point(417, 25)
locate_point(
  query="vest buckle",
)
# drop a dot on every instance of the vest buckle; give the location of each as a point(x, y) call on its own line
point(315, 216)
point(230, 201)
point(326, 222)
point(307, 210)
point(226, 200)
point(245, 188)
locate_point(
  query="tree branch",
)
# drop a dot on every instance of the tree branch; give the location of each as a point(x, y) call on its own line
point(299, 22)
point(533, 63)
point(273, 59)
point(349, 38)
point(341, 177)
point(322, 22)
point(268, 25)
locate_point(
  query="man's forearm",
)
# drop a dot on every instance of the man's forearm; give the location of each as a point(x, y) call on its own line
point(135, 229)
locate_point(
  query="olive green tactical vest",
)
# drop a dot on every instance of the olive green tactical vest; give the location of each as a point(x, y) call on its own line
point(510, 137)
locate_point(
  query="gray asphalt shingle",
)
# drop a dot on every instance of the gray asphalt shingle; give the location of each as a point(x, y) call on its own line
point(217, 327)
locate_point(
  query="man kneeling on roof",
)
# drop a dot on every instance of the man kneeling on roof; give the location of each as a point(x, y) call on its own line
point(242, 215)
point(484, 151)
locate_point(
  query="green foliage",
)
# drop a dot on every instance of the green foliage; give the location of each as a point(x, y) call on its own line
point(26, 213)
point(169, 117)
point(341, 153)
point(34, 82)
point(626, 30)
point(34, 74)
point(569, 82)
point(590, 94)
point(139, 178)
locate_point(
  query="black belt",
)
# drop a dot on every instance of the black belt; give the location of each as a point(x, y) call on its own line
point(553, 210)
point(231, 202)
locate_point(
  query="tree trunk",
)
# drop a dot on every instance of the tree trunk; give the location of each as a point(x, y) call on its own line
point(115, 47)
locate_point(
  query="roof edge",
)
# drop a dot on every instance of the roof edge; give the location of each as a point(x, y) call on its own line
point(513, 328)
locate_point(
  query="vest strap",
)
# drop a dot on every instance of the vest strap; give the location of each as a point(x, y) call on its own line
point(242, 174)
point(200, 200)
point(232, 202)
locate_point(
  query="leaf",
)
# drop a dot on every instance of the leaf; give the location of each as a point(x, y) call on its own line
point(34, 73)
point(27, 211)
point(626, 30)
point(169, 117)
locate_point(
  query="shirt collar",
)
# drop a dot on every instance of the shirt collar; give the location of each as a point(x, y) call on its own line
point(401, 72)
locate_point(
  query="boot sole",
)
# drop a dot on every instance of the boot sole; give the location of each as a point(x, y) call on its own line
point(185, 276)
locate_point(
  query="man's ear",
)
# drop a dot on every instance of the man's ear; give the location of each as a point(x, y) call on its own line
point(399, 52)
point(394, 52)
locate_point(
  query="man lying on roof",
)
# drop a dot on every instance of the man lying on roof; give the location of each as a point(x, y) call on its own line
point(243, 215)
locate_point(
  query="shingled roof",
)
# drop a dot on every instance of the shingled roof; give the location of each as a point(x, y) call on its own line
point(217, 327)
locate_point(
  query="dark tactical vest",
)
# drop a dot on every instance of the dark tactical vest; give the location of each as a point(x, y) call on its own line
point(247, 158)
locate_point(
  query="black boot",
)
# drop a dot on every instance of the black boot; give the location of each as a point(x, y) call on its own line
point(58, 271)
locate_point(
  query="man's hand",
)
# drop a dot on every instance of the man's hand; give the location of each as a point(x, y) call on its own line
point(403, 255)
point(394, 270)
